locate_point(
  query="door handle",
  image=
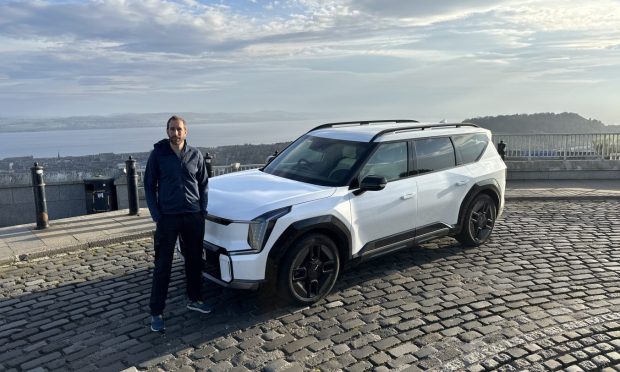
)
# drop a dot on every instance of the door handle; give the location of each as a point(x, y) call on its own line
point(407, 196)
point(461, 183)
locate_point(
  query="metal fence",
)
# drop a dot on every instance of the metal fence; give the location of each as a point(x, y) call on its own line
point(603, 146)
point(218, 170)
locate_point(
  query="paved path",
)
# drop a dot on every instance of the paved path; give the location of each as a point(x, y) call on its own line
point(543, 294)
point(22, 242)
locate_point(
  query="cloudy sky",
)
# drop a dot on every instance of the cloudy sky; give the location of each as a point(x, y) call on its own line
point(344, 59)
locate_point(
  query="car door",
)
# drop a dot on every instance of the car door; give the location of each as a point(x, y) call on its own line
point(381, 219)
point(442, 185)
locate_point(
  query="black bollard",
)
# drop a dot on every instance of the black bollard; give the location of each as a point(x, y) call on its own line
point(40, 203)
point(208, 159)
point(132, 187)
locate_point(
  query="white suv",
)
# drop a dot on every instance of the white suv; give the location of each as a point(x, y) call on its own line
point(349, 191)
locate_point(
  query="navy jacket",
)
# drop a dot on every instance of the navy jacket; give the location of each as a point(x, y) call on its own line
point(174, 185)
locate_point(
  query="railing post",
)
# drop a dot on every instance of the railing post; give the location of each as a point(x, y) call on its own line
point(565, 145)
point(40, 203)
point(208, 159)
point(132, 187)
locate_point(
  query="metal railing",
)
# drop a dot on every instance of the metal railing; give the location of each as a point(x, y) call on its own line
point(602, 146)
point(218, 170)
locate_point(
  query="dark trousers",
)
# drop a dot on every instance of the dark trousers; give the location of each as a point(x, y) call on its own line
point(191, 227)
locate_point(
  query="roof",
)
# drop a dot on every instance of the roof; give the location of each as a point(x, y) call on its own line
point(388, 130)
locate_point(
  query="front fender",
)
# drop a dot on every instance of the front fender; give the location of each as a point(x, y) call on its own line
point(327, 224)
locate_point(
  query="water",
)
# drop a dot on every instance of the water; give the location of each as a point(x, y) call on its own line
point(129, 140)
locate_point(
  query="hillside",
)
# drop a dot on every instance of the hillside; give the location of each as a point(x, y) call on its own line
point(565, 122)
point(27, 124)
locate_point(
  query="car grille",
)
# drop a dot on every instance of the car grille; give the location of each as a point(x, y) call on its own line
point(211, 260)
point(211, 264)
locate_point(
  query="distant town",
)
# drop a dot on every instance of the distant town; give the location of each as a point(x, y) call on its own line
point(16, 170)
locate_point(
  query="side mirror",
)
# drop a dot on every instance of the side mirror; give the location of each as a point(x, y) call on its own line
point(373, 183)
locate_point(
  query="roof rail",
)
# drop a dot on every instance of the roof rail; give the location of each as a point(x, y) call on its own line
point(422, 127)
point(363, 122)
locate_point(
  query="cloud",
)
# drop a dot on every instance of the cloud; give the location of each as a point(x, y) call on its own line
point(424, 8)
point(195, 51)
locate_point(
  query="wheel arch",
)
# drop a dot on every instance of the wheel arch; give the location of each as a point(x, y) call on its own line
point(327, 225)
point(488, 187)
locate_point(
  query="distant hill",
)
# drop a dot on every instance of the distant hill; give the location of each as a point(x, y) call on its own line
point(520, 123)
point(27, 124)
point(565, 122)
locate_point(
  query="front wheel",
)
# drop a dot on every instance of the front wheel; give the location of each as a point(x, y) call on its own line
point(479, 221)
point(309, 269)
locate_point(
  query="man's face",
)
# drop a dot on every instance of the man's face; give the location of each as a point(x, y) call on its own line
point(177, 132)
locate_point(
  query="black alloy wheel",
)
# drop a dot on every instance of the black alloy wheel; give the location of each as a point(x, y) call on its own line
point(309, 269)
point(479, 221)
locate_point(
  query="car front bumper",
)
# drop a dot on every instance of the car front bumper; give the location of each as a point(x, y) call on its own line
point(231, 271)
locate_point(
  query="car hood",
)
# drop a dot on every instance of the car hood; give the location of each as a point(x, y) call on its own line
point(248, 194)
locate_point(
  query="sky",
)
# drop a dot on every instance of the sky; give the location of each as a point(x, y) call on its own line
point(340, 59)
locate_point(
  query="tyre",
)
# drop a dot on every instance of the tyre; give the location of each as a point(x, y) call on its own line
point(309, 269)
point(478, 221)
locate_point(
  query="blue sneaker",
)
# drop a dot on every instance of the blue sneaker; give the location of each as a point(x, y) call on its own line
point(199, 306)
point(157, 323)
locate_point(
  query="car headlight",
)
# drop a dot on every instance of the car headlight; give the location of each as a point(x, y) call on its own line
point(261, 226)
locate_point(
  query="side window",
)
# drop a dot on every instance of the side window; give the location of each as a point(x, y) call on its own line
point(470, 146)
point(389, 161)
point(433, 154)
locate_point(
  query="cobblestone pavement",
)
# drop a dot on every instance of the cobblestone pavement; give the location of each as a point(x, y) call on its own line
point(543, 294)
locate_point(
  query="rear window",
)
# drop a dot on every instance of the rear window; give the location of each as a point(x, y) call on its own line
point(470, 146)
point(433, 154)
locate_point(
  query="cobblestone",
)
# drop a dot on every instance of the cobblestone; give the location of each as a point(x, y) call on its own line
point(544, 293)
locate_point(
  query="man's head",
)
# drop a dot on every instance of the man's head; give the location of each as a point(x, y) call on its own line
point(177, 131)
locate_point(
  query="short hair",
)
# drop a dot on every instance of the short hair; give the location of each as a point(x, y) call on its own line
point(175, 118)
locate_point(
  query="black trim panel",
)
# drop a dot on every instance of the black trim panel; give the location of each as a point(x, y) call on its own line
point(236, 284)
point(488, 185)
point(430, 229)
point(371, 248)
point(219, 220)
point(299, 228)
point(399, 241)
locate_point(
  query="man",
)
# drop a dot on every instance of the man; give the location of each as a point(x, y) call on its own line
point(501, 149)
point(175, 184)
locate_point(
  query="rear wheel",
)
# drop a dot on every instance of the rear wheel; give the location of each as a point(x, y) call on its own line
point(479, 221)
point(309, 269)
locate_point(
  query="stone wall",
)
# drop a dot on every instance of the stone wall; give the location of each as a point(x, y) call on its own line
point(563, 169)
point(66, 199)
point(63, 200)
point(122, 193)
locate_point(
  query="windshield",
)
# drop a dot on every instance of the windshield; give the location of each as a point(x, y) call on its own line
point(318, 160)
